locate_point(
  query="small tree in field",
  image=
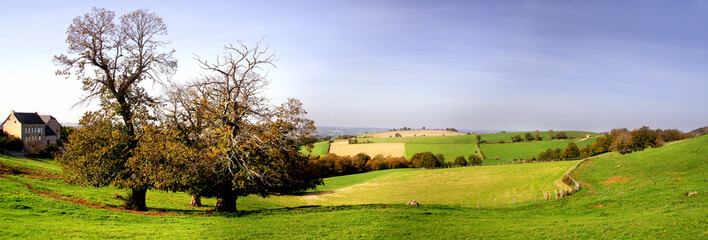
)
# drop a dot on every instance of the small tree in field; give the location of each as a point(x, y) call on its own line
point(561, 135)
point(425, 160)
point(571, 151)
point(479, 138)
point(474, 159)
point(528, 137)
point(460, 161)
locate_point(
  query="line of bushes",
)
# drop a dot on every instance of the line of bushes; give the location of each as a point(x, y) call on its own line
point(333, 165)
point(620, 140)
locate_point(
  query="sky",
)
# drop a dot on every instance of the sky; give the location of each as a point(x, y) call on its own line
point(494, 65)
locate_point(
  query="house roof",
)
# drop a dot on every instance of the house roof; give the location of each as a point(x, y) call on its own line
point(46, 118)
point(28, 118)
point(48, 131)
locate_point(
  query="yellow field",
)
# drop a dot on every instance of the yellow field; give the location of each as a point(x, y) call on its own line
point(416, 133)
point(342, 148)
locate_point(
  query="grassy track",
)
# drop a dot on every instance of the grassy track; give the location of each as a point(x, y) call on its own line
point(318, 149)
point(635, 196)
point(450, 151)
point(527, 150)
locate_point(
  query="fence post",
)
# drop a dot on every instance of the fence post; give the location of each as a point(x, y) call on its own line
point(534, 197)
point(495, 201)
point(555, 193)
point(477, 204)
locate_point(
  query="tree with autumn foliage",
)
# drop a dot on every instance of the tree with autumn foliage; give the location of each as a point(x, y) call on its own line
point(111, 58)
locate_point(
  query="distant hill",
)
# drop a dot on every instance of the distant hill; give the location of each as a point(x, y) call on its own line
point(700, 131)
point(336, 131)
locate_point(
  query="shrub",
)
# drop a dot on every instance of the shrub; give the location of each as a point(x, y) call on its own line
point(425, 160)
point(460, 161)
point(571, 151)
point(475, 160)
point(561, 135)
point(11, 143)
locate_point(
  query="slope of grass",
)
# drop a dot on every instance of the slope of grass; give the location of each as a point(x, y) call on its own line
point(495, 137)
point(446, 186)
point(527, 150)
point(318, 149)
point(34, 164)
point(450, 151)
point(635, 196)
point(349, 180)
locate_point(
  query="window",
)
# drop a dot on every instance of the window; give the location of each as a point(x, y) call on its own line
point(40, 138)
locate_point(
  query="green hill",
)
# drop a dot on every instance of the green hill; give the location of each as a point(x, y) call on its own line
point(636, 196)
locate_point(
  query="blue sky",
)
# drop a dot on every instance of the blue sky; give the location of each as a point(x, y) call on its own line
point(506, 65)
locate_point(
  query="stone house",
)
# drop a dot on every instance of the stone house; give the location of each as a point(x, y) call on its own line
point(35, 130)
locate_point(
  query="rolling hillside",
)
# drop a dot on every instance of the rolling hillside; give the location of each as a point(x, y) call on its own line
point(636, 196)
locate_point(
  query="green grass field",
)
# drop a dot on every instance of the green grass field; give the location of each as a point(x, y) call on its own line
point(527, 150)
point(636, 196)
point(450, 151)
point(443, 186)
point(495, 137)
point(318, 149)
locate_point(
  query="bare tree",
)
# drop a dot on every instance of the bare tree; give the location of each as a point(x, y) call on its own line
point(259, 140)
point(111, 59)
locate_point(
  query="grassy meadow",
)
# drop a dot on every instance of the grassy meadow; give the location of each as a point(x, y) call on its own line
point(450, 151)
point(635, 196)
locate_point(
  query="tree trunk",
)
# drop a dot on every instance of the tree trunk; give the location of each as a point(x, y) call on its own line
point(226, 198)
point(196, 201)
point(136, 200)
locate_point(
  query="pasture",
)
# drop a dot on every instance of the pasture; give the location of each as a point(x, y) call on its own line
point(449, 151)
point(635, 196)
point(445, 186)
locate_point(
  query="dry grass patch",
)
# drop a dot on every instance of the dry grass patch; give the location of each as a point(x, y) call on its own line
point(615, 179)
